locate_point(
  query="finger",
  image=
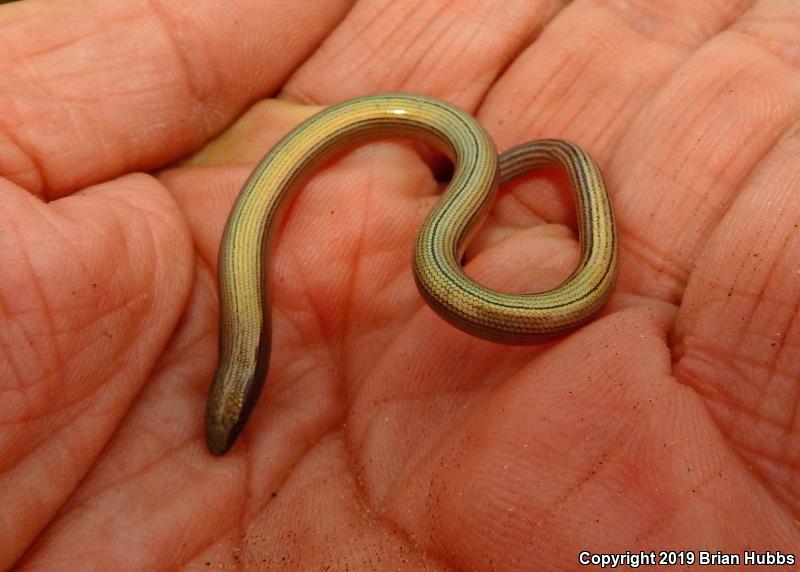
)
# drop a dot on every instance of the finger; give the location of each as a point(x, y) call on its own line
point(99, 282)
point(738, 332)
point(589, 75)
point(453, 50)
point(96, 89)
point(690, 149)
point(590, 90)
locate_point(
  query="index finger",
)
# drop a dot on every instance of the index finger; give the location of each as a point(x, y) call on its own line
point(96, 89)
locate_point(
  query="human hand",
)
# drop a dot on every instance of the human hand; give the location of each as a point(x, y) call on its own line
point(386, 439)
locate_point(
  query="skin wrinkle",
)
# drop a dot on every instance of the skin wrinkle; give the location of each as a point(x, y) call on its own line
point(778, 54)
point(134, 296)
point(309, 309)
point(578, 110)
point(299, 95)
point(676, 510)
point(536, 119)
point(61, 417)
point(382, 517)
point(68, 410)
point(318, 314)
point(394, 331)
point(14, 172)
point(197, 95)
point(27, 153)
point(301, 367)
point(416, 39)
point(629, 13)
point(772, 364)
point(682, 132)
point(781, 494)
point(778, 457)
point(526, 210)
point(25, 391)
point(661, 263)
point(779, 475)
point(77, 357)
point(764, 393)
point(380, 407)
point(249, 506)
point(104, 313)
point(357, 446)
point(732, 160)
point(6, 357)
point(717, 393)
point(44, 91)
point(345, 360)
point(436, 445)
point(110, 479)
point(277, 392)
point(80, 503)
point(382, 514)
point(426, 51)
point(525, 41)
point(29, 342)
point(730, 164)
point(49, 48)
point(63, 239)
point(614, 125)
point(489, 76)
point(549, 515)
point(744, 333)
point(171, 359)
point(37, 289)
point(207, 256)
point(547, 124)
point(387, 280)
point(408, 469)
point(522, 40)
point(792, 422)
point(742, 8)
point(639, 17)
point(719, 398)
point(362, 33)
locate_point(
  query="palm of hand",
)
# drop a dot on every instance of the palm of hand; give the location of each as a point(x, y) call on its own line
point(386, 438)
